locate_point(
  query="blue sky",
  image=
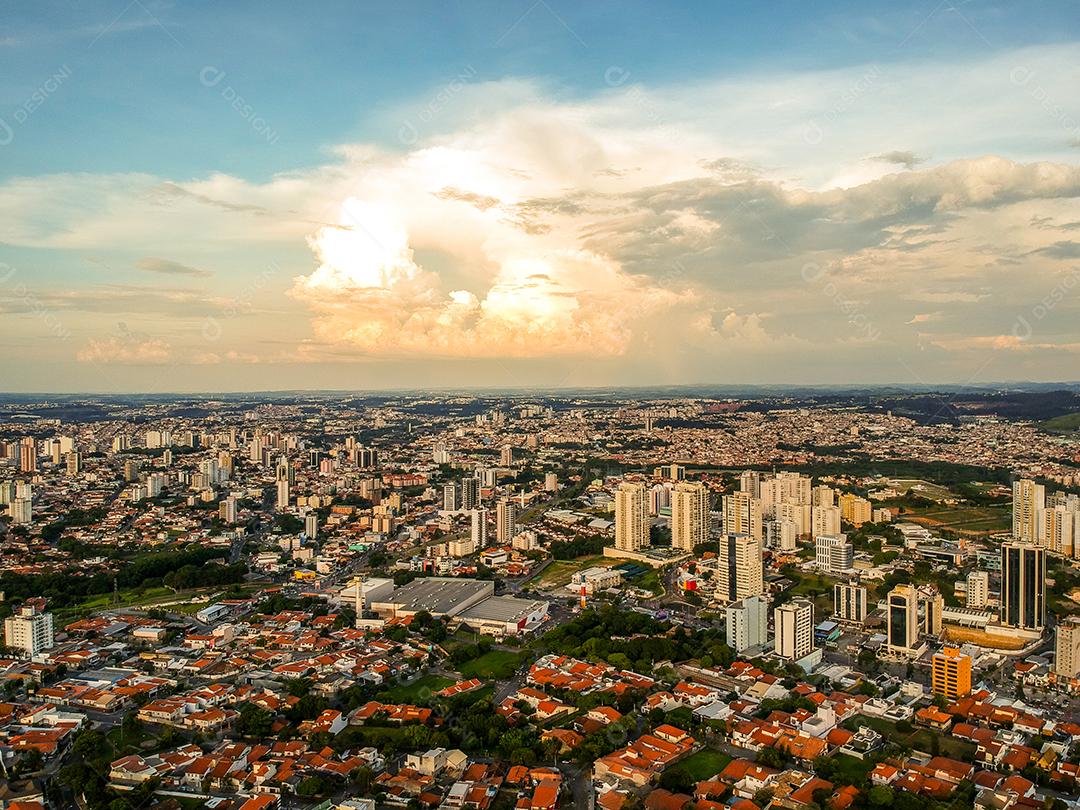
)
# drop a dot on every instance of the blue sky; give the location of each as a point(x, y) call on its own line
point(168, 165)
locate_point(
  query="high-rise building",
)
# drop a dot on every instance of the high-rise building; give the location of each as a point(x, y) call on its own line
point(1057, 530)
point(742, 515)
point(21, 511)
point(30, 630)
point(478, 528)
point(74, 463)
point(750, 483)
point(311, 525)
point(798, 514)
point(823, 495)
point(793, 629)
point(950, 674)
point(931, 606)
point(855, 510)
point(747, 622)
point(28, 455)
point(282, 501)
point(825, 520)
point(506, 456)
point(551, 482)
point(1029, 499)
point(978, 590)
point(227, 510)
point(739, 568)
point(505, 521)
point(451, 496)
point(834, 553)
point(849, 602)
point(1023, 586)
point(1067, 648)
point(689, 515)
point(902, 619)
point(470, 493)
point(631, 517)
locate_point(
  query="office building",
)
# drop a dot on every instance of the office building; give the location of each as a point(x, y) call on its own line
point(1029, 499)
point(631, 517)
point(689, 515)
point(1067, 648)
point(1023, 586)
point(902, 619)
point(742, 515)
point(849, 602)
point(834, 553)
point(747, 622)
point(950, 674)
point(978, 590)
point(793, 629)
point(30, 630)
point(739, 568)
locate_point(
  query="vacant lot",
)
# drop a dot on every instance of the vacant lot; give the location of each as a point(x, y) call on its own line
point(921, 739)
point(963, 519)
point(705, 764)
point(497, 664)
point(557, 575)
point(419, 691)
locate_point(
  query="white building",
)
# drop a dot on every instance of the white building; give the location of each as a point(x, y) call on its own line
point(794, 629)
point(747, 623)
point(29, 630)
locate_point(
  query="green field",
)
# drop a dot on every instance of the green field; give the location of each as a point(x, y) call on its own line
point(705, 764)
point(558, 573)
point(977, 519)
point(419, 691)
point(1069, 423)
point(497, 664)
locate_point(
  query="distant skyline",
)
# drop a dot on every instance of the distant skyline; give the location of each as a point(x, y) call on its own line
point(259, 196)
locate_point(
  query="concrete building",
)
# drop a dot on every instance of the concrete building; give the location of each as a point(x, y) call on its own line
point(1067, 648)
point(747, 622)
point(689, 515)
point(30, 630)
point(742, 515)
point(1023, 586)
point(631, 517)
point(505, 520)
point(902, 619)
point(834, 553)
point(739, 568)
point(1029, 499)
point(978, 590)
point(849, 602)
point(950, 674)
point(793, 628)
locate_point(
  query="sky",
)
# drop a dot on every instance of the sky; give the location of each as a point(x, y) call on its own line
point(208, 196)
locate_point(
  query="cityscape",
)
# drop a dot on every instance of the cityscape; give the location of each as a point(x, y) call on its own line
point(529, 404)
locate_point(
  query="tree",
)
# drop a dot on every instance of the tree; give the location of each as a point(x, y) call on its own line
point(880, 796)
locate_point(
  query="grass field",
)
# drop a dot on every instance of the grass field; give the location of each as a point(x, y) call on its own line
point(1069, 423)
point(558, 574)
point(964, 519)
point(497, 664)
point(705, 764)
point(419, 691)
point(915, 486)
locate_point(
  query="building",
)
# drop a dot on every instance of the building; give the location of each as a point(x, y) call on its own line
point(1029, 499)
point(849, 602)
point(30, 630)
point(227, 510)
point(506, 456)
point(689, 515)
point(551, 482)
point(479, 527)
point(282, 494)
point(1057, 530)
point(902, 619)
point(631, 517)
point(855, 510)
point(1023, 586)
point(742, 515)
point(950, 674)
point(501, 616)
point(825, 521)
point(978, 590)
point(834, 553)
point(470, 493)
point(505, 520)
point(793, 627)
point(451, 496)
point(747, 623)
point(739, 571)
point(311, 525)
point(1067, 648)
point(464, 601)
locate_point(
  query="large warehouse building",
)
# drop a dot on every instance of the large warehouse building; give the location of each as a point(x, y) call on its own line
point(471, 602)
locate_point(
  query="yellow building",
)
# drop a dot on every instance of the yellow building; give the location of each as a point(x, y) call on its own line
point(951, 674)
point(855, 510)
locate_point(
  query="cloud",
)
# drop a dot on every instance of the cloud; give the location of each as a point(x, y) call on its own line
point(125, 351)
point(900, 158)
point(926, 317)
point(152, 264)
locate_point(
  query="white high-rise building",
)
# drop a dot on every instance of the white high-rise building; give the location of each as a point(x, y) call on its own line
point(227, 509)
point(451, 496)
point(505, 521)
point(689, 515)
point(793, 628)
point(797, 514)
point(750, 483)
point(978, 590)
point(551, 482)
point(747, 623)
point(29, 630)
point(1029, 499)
point(825, 520)
point(479, 528)
point(311, 525)
point(739, 568)
point(742, 515)
point(21, 511)
point(834, 553)
point(1058, 530)
point(283, 494)
point(631, 517)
